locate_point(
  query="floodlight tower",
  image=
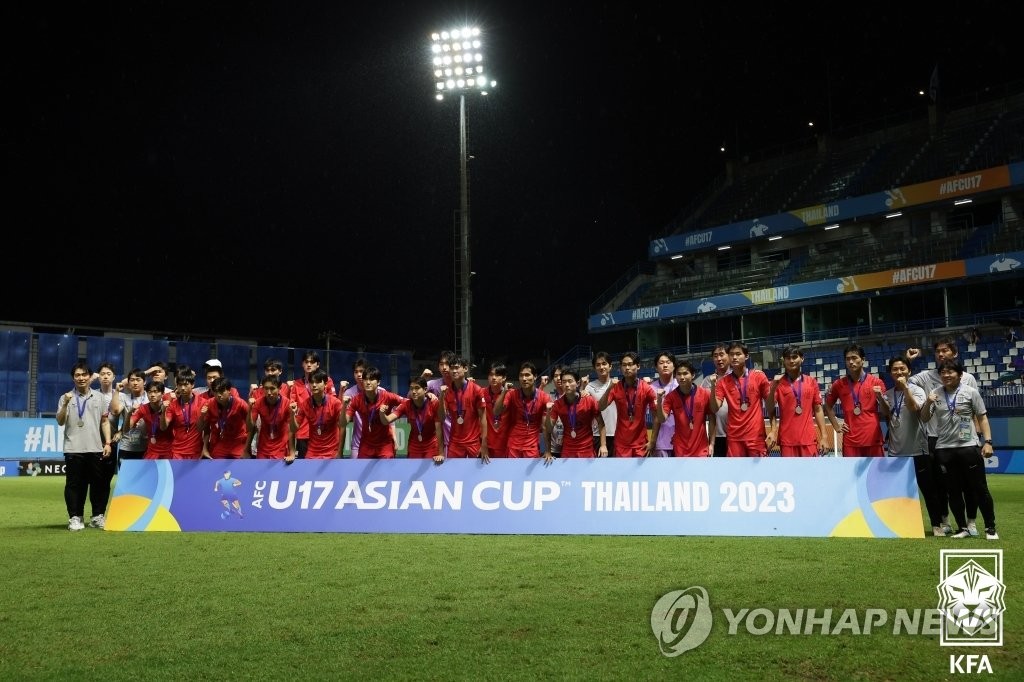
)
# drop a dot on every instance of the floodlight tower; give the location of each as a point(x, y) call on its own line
point(457, 60)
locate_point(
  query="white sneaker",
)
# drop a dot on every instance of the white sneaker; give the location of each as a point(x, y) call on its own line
point(972, 528)
point(75, 523)
point(947, 529)
point(938, 532)
point(991, 534)
point(961, 534)
point(98, 521)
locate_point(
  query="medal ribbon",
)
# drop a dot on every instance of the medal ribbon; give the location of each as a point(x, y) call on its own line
point(631, 400)
point(856, 390)
point(527, 405)
point(222, 414)
point(798, 390)
point(688, 409)
point(417, 417)
point(951, 404)
point(80, 404)
point(898, 403)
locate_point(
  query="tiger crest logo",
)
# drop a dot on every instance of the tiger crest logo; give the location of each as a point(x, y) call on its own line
point(972, 598)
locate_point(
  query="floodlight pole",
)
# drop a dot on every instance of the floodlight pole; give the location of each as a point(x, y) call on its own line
point(462, 258)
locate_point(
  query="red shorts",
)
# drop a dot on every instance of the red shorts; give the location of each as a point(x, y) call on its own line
point(383, 452)
point(868, 451)
point(635, 451)
point(463, 452)
point(799, 450)
point(746, 448)
point(518, 453)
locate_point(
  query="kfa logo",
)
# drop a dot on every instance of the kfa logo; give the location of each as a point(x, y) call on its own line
point(681, 620)
point(972, 597)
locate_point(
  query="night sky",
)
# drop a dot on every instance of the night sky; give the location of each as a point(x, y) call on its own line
point(276, 170)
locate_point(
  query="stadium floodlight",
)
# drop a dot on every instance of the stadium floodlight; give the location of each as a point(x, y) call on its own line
point(831, 227)
point(961, 202)
point(724, 248)
point(458, 67)
point(775, 238)
point(897, 214)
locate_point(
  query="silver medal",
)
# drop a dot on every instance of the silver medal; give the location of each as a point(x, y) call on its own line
point(420, 437)
point(799, 410)
point(460, 420)
point(318, 431)
point(691, 426)
point(856, 410)
point(273, 434)
point(894, 422)
point(572, 434)
point(744, 407)
point(152, 439)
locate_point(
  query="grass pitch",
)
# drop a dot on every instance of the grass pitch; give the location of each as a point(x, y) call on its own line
point(176, 606)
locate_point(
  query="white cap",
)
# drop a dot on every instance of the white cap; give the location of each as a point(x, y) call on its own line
point(214, 363)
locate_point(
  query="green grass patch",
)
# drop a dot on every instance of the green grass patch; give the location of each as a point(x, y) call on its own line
point(172, 606)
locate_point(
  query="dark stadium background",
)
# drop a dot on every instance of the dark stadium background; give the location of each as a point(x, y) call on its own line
point(278, 170)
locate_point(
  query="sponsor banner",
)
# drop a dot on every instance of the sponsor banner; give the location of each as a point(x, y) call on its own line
point(9, 468)
point(919, 274)
point(955, 186)
point(23, 438)
point(886, 279)
point(857, 497)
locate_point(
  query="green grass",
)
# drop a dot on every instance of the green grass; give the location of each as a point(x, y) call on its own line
point(175, 606)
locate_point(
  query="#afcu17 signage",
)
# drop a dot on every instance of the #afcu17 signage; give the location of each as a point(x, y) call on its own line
point(861, 497)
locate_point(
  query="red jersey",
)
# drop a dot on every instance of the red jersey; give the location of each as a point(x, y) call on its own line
point(323, 422)
point(228, 427)
point(498, 429)
point(744, 396)
point(375, 438)
point(422, 427)
point(797, 429)
point(463, 404)
point(860, 410)
point(631, 405)
point(272, 441)
point(689, 413)
point(526, 419)
point(299, 391)
point(579, 418)
point(182, 420)
point(160, 442)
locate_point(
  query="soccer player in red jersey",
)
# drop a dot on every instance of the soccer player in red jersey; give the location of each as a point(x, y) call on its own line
point(271, 410)
point(526, 406)
point(862, 397)
point(150, 414)
point(464, 402)
point(579, 414)
point(420, 409)
point(499, 425)
point(182, 417)
point(632, 399)
point(300, 390)
point(324, 417)
point(375, 439)
point(689, 406)
point(743, 390)
point(224, 420)
point(799, 409)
